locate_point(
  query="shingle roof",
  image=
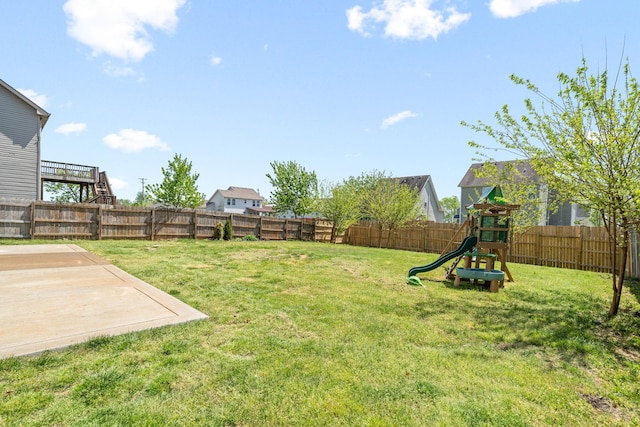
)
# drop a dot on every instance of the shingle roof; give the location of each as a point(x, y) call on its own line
point(419, 181)
point(241, 193)
point(526, 173)
point(414, 181)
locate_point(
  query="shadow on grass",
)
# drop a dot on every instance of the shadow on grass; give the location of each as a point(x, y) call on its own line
point(633, 283)
point(560, 324)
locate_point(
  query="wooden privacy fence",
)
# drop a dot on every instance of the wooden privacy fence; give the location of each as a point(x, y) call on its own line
point(580, 248)
point(45, 220)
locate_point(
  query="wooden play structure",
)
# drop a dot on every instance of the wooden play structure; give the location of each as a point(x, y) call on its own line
point(484, 248)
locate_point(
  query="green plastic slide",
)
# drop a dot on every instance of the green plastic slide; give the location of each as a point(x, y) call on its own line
point(468, 243)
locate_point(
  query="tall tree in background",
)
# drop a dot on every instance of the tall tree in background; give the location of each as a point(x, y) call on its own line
point(340, 204)
point(294, 188)
point(178, 188)
point(451, 206)
point(586, 146)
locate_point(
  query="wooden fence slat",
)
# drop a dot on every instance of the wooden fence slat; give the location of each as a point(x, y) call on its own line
point(579, 247)
point(91, 221)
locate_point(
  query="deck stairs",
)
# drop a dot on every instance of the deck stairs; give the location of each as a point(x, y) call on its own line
point(93, 185)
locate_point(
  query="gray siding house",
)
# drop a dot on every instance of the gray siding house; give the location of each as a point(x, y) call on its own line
point(471, 187)
point(21, 124)
point(237, 200)
point(430, 208)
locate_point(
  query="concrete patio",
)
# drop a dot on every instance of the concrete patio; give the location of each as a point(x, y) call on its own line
point(56, 295)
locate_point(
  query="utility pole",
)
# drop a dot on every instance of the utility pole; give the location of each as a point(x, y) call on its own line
point(142, 180)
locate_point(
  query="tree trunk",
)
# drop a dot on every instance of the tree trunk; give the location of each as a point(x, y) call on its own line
point(334, 232)
point(618, 284)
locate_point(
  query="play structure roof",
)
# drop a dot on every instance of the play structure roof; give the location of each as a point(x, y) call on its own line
point(491, 196)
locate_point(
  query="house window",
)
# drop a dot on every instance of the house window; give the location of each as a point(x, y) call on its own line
point(228, 202)
point(233, 202)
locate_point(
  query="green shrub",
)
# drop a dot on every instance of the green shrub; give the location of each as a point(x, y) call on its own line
point(218, 232)
point(228, 230)
point(250, 238)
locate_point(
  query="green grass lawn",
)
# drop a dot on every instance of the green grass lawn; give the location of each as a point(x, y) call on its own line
point(318, 334)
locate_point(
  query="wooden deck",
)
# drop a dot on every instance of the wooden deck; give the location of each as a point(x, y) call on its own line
point(68, 172)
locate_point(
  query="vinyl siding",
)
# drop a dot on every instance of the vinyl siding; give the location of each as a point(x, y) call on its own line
point(19, 133)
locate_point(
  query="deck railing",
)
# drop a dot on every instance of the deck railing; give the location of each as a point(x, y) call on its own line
point(68, 172)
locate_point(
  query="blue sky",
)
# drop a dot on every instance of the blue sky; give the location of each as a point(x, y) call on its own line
point(339, 86)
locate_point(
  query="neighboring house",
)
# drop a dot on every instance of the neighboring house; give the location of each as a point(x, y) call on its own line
point(238, 200)
point(430, 208)
point(471, 187)
point(21, 124)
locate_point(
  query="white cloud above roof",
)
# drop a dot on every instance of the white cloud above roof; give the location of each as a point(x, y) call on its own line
point(407, 19)
point(70, 128)
point(515, 8)
point(392, 120)
point(39, 99)
point(119, 28)
point(134, 141)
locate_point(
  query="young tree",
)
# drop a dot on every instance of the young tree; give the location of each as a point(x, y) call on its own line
point(61, 192)
point(585, 145)
point(142, 199)
point(451, 206)
point(294, 189)
point(387, 201)
point(178, 188)
point(340, 204)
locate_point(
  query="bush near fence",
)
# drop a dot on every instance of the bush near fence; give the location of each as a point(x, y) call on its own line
point(46, 220)
point(579, 247)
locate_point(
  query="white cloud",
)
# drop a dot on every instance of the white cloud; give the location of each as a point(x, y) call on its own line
point(390, 121)
point(514, 8)
point(134, 141)
point(113, 70)
point(407, 19)
point(70, 128)
point(119, 27)
point(117, 184)
point(39, 99)
point(215, 60)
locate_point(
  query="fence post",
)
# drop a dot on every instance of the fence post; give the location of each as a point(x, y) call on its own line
point(99, 222)
point(153, 224)
point(194, 220)
point(32, 232)
point(580, 236)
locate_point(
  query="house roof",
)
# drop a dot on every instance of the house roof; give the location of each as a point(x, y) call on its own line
point(264, 209)
point(239, 193)
point(419, 182)
point(525, 173)
point(42, 114)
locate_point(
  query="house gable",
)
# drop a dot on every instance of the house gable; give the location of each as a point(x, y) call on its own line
point(235, 200)
point(430, 205)
point(21, 122)
point(472, 186)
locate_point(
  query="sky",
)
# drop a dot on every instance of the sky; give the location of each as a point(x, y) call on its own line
point(342, 87)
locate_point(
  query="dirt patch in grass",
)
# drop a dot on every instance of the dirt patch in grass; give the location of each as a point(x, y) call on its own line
point(603, 404)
